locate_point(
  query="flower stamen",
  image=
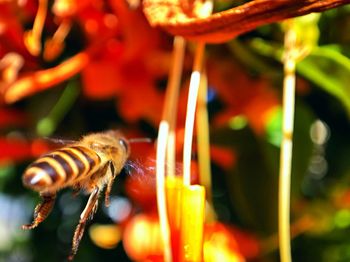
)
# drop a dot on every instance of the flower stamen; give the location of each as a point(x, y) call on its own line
point(55, 45)
point(32, 38)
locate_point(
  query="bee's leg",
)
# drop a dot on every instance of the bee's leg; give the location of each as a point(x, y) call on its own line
point(42, 210)
point(107, 170)
point(87, 213)
point(110, 183)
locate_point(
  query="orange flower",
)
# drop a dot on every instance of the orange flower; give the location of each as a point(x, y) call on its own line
point(224, 157)
point(142, 239)
point(240, 94)
point(11, 29)
point(15, 149)
point(225, 243)
point(129, 67)
point(11, 117)
point(123, 57)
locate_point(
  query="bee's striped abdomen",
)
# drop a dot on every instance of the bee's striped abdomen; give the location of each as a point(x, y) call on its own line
point(56, 169)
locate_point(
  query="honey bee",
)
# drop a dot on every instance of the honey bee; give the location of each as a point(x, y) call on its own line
point(90, 164)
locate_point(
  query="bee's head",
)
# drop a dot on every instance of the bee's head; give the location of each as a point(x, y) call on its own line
point(111, 142)
point(119, 139)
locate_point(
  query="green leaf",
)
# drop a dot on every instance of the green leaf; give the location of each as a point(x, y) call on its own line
point(330, 70)
point(326, 67)
point(251, 186)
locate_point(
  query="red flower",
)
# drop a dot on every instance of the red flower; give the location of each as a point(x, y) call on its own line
point(241, 94)
point(16, 149)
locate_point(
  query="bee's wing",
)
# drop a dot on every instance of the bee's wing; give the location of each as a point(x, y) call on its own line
point(60, 141)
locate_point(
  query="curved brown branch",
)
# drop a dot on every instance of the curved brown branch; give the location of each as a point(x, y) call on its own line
point(223, 26)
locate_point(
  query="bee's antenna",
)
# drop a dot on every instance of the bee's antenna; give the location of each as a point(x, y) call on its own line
point(140, 140)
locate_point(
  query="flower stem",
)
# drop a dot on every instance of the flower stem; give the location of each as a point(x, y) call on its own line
point(170, 110)
point(161, 198)
point(287, 146)
point(166, 142)
point(203, 143)
point(190, 112)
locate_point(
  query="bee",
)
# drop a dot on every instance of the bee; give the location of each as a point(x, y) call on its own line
point(90, 164)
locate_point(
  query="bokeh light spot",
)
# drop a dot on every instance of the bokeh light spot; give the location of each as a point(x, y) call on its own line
point(238, 122)
point(119, 209)
point(319, 132)
point(274, 127)
point(342, 218)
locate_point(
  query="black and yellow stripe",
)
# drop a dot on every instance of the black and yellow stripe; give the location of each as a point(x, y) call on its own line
point(59, 167)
